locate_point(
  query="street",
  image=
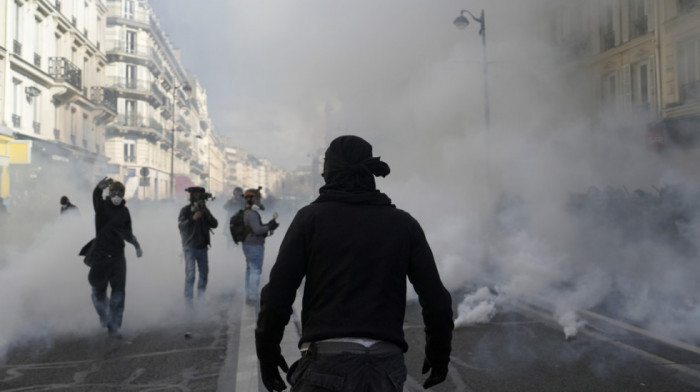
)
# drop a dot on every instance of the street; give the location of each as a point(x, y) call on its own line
point(521, 349)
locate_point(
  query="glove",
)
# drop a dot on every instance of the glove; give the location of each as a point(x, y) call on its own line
point(437, 375)
point(139, 252)
point(271, 376)
point(272, 225)
point(104, 183)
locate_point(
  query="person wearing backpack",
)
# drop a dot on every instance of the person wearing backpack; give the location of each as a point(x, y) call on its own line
point(108, 264)
point(195, 221)
point(254, 242)
point(234, 204)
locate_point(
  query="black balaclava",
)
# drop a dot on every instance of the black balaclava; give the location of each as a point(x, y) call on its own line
point(349, 165)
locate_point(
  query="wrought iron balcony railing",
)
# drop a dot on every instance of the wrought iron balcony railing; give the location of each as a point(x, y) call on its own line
point(104, 96)
point(60, 68)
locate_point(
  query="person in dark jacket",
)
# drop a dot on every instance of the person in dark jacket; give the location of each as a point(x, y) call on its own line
point(254, 242)
point(113, 227)
point(67, 207)
point(195, 221)
point(355, 249)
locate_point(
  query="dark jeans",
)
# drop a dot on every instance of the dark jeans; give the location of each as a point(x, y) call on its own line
point(200, 258)
point(108, 270)
point(347, 372)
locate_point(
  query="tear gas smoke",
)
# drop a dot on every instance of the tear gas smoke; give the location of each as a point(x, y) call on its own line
point(496, 205)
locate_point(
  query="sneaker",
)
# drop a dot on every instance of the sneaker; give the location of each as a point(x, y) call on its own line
point(114, 333)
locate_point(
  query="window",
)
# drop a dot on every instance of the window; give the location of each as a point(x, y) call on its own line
point(689, 69)
point(129, 150)
point(16, 102)
point(130, 113)
point(685, 6)
point(36, 114)
point(130, 76)
point(38, 36)
point(16, 96)
point(638, 19)
point(130, 42)
point(610, 90)
point(607, 34)
point(128, 11)
point(18, 21)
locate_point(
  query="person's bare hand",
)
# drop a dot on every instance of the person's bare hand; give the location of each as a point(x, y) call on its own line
point(197, 215)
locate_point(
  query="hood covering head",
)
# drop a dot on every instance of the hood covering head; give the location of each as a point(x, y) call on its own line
point(349, 165)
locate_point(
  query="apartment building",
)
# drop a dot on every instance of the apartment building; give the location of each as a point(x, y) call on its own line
point(162, 136)
point(52, 89)
point(647, 57)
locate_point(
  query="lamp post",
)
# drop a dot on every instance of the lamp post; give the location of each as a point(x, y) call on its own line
point(185, 87)
point(461, 23)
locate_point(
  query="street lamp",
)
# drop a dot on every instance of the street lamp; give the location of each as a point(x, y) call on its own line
point(185, 87)
point(461, 23)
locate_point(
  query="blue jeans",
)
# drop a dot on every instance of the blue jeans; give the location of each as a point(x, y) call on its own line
point(201, 258)
point(254, 260)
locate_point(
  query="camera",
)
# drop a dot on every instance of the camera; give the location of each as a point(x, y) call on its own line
point(205, 196)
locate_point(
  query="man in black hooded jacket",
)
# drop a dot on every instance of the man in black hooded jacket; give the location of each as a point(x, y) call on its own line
point(113, 227)
point(355, 250)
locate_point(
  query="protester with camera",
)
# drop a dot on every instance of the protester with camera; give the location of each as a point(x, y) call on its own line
point(195, 222)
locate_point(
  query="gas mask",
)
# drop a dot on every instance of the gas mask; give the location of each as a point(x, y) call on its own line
point(116, 197)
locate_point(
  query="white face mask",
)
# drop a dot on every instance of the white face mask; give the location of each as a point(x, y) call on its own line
point(116, 200)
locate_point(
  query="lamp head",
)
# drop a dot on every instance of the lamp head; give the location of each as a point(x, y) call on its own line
point(461, 22)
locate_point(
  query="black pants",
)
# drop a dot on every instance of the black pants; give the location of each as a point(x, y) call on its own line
point(109, 270)
point(348, 372)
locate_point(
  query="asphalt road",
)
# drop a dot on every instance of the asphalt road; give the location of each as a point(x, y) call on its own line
point(521, 349)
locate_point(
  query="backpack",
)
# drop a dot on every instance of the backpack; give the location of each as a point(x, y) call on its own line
point(238, 228)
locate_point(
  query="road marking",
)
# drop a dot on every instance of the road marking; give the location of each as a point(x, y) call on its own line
point(692, 374)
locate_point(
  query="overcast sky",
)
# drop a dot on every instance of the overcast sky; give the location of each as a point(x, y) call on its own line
point(280, 73)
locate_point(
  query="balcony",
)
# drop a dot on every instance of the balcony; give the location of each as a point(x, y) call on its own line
point(138, 89)
point(690, 91)
point(125, 52)
point(60, 68)
point(16, 47)
point(16, 120)
point(37, 60)
point(128, 124)
point(37, 127)
point(105, 97)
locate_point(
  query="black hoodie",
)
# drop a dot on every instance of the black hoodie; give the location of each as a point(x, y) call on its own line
point(355, 250)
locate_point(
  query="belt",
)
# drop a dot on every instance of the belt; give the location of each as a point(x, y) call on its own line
point(324, 347)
